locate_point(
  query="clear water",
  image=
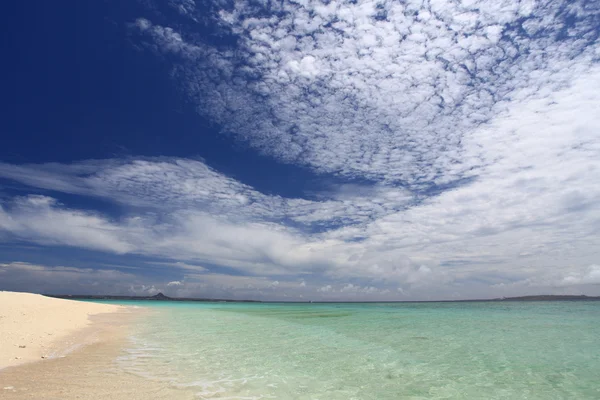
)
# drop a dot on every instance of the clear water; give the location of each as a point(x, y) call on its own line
point(372, 351)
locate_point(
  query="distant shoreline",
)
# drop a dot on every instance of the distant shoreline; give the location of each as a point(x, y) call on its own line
point(162, 297)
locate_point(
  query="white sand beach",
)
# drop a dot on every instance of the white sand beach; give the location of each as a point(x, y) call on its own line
point(34, 327)
point(36, 332)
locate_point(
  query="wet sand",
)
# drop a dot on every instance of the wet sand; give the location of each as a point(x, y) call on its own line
point(89, 370)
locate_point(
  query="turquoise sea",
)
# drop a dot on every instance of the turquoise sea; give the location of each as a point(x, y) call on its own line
point(474, 350)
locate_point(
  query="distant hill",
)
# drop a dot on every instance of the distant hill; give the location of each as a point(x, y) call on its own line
point(156, 297)
point(549, 297)
point(162, 297)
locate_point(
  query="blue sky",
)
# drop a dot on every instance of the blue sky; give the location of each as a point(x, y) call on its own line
point(301, 150)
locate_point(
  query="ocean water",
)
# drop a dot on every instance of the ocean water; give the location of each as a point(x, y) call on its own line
point(476, 350)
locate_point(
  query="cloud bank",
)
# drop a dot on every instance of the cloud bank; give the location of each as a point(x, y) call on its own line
point(474, 123)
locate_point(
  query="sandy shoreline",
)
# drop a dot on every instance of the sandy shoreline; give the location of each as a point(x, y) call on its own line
point(94, 335)
point(34, 327)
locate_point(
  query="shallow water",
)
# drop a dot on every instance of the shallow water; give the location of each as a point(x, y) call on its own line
point(482, 350)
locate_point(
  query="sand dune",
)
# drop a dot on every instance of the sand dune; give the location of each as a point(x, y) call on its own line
point(33, 327)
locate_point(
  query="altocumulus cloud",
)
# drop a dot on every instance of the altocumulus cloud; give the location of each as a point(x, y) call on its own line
point(384, 90)
point(477, 122)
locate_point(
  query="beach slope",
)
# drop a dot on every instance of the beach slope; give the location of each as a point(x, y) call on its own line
point(33, 327)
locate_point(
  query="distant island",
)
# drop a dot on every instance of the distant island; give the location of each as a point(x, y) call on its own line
point(162, 297)
point(156, 297)
point(550, 297)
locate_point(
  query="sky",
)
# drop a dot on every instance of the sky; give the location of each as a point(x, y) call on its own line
point(301, 150)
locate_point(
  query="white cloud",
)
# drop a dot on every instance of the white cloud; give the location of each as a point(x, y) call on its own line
point(566, 278)
point(535, 206)
point(385, 91)
point(184, 7)
point(41, 219)
point(478, 122)
point(326, 289)
point(167, 39)
point(589, 277)
point(181, 265)
point(348, 288)
point(188, 184)
point(22, 276)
